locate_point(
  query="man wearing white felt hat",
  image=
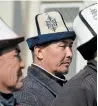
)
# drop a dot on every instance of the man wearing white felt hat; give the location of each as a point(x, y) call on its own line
point(11, 65)
point(81, 90)
point(52, 55)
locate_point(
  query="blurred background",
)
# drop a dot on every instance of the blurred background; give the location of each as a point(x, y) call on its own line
point(20, 16)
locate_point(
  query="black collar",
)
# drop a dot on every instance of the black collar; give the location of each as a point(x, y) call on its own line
point(7, 99)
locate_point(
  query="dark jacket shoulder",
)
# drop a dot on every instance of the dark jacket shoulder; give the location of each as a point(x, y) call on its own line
point(81, 90)
point(39, 88)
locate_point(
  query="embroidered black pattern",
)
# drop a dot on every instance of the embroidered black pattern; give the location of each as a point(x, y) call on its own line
point(51, 23)
point(94, 13)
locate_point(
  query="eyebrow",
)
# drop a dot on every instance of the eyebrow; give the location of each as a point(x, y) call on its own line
point(17, 49)
point(66, 41)
point(10, 49)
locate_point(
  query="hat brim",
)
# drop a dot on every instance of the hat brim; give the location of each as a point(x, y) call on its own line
point(88, 49)
point(46, 38)
point(10, 42)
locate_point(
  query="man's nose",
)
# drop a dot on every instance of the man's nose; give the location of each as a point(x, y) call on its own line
point(68, 52)
point(22, 65)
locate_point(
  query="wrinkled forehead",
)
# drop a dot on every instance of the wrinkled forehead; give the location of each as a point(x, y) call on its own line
point(65, 41)
point(7, 50)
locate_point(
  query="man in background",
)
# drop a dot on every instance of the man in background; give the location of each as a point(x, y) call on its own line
point(11, 65)
point(52, 55)
point(81, 90)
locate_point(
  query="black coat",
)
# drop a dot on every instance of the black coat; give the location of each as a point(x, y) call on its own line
point(39, 88)
point(7, 100)
point(81, 90)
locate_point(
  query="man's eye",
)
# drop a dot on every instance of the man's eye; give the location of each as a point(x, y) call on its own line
point(18, 57)
point(70, 46)
point(63, 46)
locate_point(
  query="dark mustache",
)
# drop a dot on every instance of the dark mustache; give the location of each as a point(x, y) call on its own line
point(20, 73)
point(64, 62)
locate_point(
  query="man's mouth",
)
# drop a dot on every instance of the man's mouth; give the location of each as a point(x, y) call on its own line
point(19, 73)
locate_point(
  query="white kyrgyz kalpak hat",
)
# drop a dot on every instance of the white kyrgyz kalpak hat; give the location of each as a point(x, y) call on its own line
point(7, 36)
point(85, 27)
point(50, 28)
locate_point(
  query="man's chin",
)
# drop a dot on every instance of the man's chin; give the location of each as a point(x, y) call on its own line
point(66, 72)
point(16, 87)
point(19, 86)
point(61, 72)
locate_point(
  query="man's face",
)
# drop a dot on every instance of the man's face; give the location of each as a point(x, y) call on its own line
point(57, 56)
point(11, 70)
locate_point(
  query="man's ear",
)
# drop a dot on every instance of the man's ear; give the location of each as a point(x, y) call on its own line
point(38, 52)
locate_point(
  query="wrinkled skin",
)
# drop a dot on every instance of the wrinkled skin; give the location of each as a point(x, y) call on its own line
point(55, 57)
point(10, 71)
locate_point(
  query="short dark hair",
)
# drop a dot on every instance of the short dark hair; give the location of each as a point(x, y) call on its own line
point(8, 49)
